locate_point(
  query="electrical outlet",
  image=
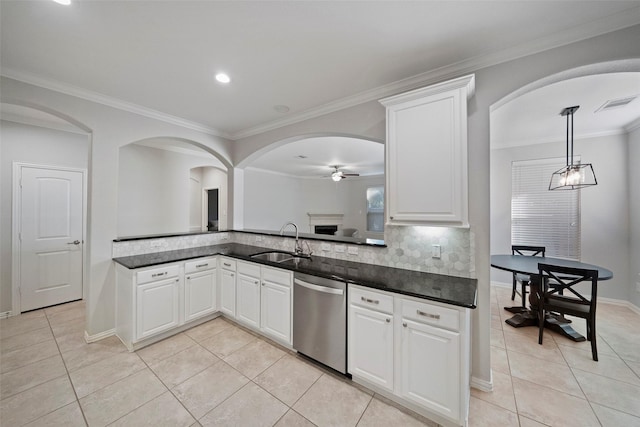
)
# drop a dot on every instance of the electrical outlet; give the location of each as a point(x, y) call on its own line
point(353, 250)
point(436, 251)
point(258, 238)
point(339, 249)
point(155, 244)
point(325, 247)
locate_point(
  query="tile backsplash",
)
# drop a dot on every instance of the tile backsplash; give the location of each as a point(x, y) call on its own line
point(409, 248)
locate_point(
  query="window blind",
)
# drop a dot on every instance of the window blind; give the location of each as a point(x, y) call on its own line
point(540, 217)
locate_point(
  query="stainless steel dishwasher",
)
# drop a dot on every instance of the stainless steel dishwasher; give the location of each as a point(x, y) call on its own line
point(320, 320)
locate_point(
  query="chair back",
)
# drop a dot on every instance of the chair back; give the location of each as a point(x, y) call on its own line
point(528, 250)
point(565, 278)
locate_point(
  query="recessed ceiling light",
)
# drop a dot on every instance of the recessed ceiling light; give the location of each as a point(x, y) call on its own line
point(281, 108)
point(223, 78)
point(64, 2)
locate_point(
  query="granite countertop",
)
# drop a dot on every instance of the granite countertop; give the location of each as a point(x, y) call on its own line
point(453, 290)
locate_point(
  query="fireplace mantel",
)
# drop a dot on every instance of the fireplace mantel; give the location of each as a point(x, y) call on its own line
point(324, 219)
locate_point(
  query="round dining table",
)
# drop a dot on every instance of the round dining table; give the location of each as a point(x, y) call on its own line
point(528, 265)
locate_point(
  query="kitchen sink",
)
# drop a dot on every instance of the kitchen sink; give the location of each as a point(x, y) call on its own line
point(274, 256)
point(277, 256)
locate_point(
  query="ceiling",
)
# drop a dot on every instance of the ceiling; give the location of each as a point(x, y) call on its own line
point(535, 116)
point(313, 157)
point(159, 58)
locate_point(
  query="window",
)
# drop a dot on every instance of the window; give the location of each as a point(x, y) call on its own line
point(375, 209)
point(540, 217)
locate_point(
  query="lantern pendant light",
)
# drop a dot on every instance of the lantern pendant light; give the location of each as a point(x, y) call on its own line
point(574, 175)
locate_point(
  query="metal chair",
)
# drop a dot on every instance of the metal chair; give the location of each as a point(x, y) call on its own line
point(550, 300)
point(524, 279)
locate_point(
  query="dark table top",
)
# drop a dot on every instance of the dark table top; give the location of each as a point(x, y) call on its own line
point(529, 264)
point(453, 290)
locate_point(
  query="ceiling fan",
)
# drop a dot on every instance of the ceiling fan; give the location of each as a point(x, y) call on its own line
point(338, 175)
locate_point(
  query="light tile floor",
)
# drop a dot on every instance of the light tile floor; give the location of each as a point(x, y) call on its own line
point(221, 374)
point(558, 383)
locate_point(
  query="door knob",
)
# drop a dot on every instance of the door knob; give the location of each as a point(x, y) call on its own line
point(75, 242)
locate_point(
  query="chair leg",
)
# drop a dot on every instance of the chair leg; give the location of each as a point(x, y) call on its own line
point(594, 349)
point(540, 322)
point(513, 291)
point(524, 294)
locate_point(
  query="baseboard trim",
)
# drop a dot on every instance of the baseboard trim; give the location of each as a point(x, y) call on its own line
point(5, 314)
point(482, 385)
point(97, 337)
point(622, 303)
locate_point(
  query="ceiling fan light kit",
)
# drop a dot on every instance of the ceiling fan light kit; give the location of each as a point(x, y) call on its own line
point(338, 175)
point(573, 175)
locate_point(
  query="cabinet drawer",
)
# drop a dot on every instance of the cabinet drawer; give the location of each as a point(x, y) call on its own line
point(273, 275)
point(249, 269)
point(159, 273)
point(228, 264)
point(201, 264)
point(371, 299)
point(431, 314)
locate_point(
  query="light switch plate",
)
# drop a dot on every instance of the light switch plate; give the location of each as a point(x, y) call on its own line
point(436, 251)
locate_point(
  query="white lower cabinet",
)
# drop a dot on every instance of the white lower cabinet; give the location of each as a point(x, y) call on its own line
point(157, 307)
point(228, 287)
point(414, 352)
point(200, 288)
point(248, 294)
point(275, 304)
point(370, 337)
point(430, 367)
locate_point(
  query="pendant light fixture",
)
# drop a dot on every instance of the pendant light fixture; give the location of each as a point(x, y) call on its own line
point(574, 175)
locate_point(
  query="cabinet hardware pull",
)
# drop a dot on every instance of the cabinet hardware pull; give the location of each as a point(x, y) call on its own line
point(159, 274)
point(201, 265)
point(262, 283)
point(255, 283)
point(371, 301)
point(388, 320)
point(404, 324)
point(231, 274)
point(226, 264)
point(390, 217)
point(429, 315)
point(188, 277)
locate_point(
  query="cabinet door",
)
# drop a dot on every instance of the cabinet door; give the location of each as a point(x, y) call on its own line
point(430, 368)
point(426, 163)
point(200, 294)
point(228, 292)
point(371, 346)
point(276, 310)
point(248, 300)
point(157, 307)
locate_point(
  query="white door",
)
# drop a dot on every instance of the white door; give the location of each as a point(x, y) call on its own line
point(50, 236)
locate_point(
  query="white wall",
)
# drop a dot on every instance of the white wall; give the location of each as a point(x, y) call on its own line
point(604, 208)
point(634, 215)
point(30, 144)
point(273, 199)
point(154, 190)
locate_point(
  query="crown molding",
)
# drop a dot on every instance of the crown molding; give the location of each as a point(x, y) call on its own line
point(605, 25)
point(109, 101)
point(581, 137)
point(633, 125)
point(31, 121)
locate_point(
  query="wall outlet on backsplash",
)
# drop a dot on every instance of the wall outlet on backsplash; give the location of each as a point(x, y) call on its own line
point(258, 238)
point(155, 244)
point(339, 249)
point(353, 250)
point(325, 247)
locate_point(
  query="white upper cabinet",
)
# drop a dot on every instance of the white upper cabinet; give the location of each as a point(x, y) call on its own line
point(426, 155)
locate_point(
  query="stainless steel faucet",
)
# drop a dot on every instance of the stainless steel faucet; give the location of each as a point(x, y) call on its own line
point(297, 248)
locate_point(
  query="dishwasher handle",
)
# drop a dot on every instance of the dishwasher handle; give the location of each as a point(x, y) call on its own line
point(318, 288)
